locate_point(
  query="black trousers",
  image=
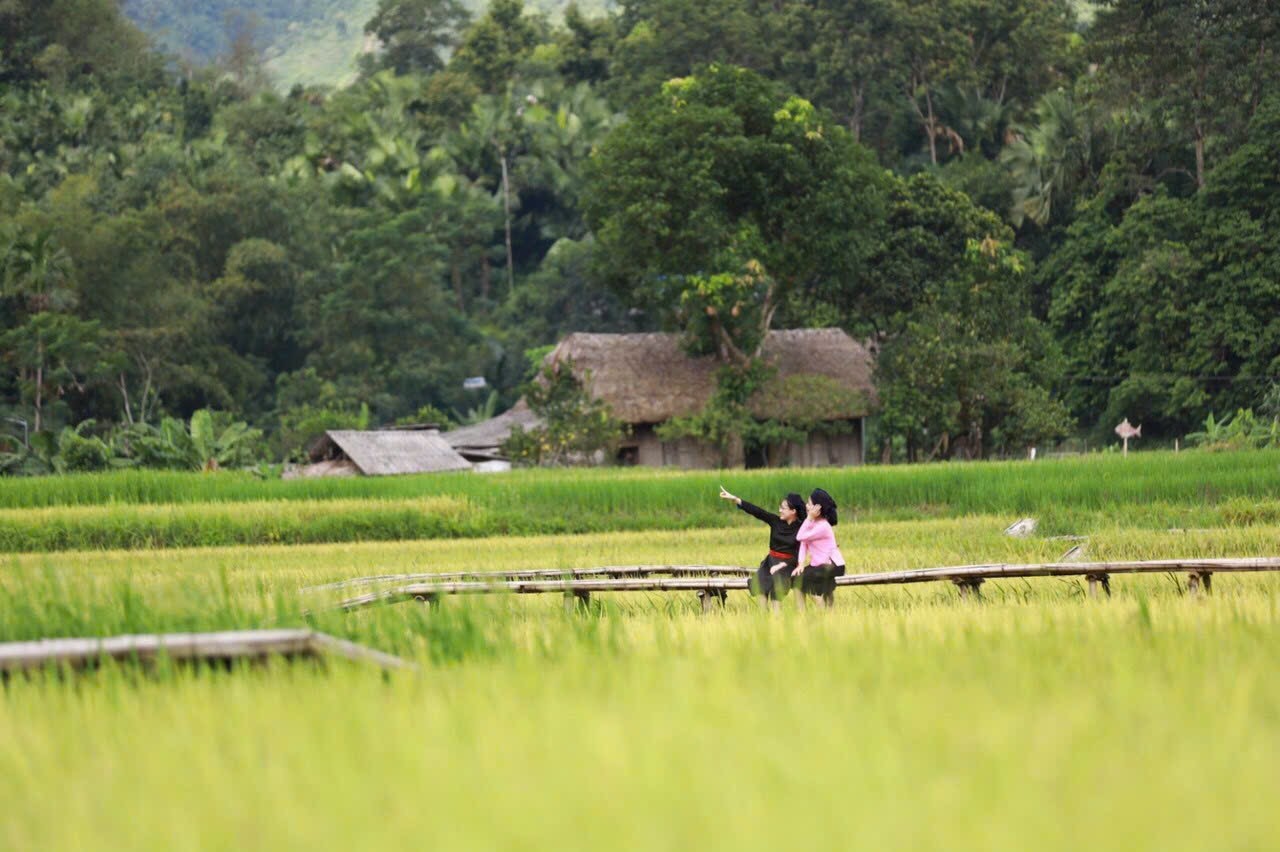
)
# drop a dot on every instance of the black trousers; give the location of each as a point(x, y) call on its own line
point(770, 585)
point(820, 579)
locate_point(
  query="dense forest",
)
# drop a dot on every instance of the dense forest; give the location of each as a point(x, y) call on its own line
point(1046, 223)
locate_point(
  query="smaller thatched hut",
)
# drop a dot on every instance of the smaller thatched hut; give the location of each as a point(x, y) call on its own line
point(343, 452)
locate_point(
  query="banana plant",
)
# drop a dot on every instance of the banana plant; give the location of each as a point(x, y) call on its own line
point(209, 442)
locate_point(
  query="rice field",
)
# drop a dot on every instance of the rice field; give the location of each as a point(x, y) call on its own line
point(145, 509)
point(905, 717)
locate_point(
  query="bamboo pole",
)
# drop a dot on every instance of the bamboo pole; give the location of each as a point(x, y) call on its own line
point(542, 573)
point(225, 646)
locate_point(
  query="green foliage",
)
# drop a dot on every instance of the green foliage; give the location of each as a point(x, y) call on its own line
point(479, 413)
point(1241, 431)
point(967, 374)
point(1052, 160)
point(721, 199)
point(80, 453)
point(415, 34)
point(425, 414)
point(493, 48)
point(173, 239)
point(1201, 72)
point(211, 441)
point(576, 428)
point(1170, 305)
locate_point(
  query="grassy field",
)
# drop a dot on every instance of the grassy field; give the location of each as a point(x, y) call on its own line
point(904, 718)
point(148, 509)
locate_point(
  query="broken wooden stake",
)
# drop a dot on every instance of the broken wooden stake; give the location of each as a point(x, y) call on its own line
point(1022, 528)
point(1075, 554)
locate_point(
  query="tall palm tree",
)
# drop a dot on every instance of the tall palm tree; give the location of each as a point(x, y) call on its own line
point(1050, 160)
point(495, 129)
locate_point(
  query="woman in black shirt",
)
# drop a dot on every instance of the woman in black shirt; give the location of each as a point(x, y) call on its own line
point(773, 577)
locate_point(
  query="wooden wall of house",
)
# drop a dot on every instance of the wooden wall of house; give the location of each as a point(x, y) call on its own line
point(651, 451)
point(843, 449)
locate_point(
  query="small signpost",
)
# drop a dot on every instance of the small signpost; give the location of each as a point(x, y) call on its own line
point(1126, 431)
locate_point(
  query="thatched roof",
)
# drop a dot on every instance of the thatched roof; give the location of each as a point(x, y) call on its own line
point(822, 374)
point(486, 438)
point(390, 452)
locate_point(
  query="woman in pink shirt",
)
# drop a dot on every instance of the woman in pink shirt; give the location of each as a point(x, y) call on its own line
point(818, 545)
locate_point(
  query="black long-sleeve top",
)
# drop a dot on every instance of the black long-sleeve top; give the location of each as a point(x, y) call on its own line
point(782, 535)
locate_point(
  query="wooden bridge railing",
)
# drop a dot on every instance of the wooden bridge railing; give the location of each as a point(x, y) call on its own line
point(713, 583)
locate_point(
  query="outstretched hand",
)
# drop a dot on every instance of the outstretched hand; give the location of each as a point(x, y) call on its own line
point(725, 495)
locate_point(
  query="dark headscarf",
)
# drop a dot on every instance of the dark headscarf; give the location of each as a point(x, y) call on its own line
point(796, 502)
point(823, 499)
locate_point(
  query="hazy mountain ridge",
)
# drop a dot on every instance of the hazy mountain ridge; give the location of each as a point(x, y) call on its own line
point(303, 41)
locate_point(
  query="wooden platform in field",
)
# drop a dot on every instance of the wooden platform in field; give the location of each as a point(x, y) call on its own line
point(715, 582)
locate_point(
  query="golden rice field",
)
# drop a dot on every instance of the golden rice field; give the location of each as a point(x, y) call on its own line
point(905, 717)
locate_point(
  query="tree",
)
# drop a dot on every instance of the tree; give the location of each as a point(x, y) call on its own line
point(53, 354)
point(932, 53)
point(576, 428)
point(415, 35)
point(967, 374)
point(1166, 309)
point(243, 58)
point(379, 324)
point(927, 230)
point(1200, 65)
point(845, 43)
point(721, 200)
point(663, 39)
point(493, 47)
point(1053, 159)
point(586, 46)
point(496, 130)
point(52, 350)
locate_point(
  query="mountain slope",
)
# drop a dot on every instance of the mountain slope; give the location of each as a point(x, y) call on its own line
point(303, 41)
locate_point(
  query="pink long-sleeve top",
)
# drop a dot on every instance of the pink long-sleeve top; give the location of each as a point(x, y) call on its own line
point(818, 542)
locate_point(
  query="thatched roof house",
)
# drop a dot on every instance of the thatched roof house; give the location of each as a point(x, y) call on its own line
point(648, 378)
point(823, 377)
point(342, 452)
